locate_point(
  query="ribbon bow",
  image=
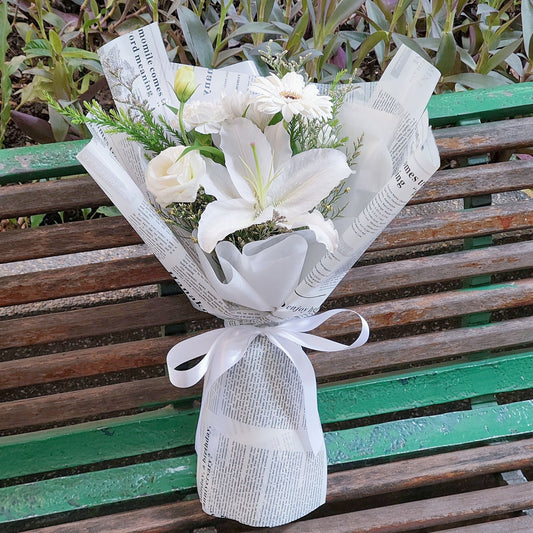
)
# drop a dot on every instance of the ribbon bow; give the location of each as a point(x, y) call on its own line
point(224, 347)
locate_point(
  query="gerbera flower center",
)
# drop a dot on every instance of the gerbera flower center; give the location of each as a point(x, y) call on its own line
point(291, 95)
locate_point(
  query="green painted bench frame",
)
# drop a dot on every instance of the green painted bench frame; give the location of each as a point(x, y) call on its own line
point(475, 380)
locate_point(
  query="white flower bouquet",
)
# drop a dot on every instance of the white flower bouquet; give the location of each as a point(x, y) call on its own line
point(257, 194)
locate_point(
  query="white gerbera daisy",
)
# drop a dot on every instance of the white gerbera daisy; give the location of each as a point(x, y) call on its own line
point(291, 96)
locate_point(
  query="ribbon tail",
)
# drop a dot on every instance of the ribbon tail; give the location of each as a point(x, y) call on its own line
point(188, 350)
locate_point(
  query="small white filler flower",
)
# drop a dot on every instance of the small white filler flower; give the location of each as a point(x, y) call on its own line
point(290, 95)
point(263, 181)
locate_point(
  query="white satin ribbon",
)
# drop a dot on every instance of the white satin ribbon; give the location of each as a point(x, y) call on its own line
point(224, 347)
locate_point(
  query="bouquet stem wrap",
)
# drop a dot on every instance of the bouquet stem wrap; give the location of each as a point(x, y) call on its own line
point(261, 454)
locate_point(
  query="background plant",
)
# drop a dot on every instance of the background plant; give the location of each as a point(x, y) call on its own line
point(473, 43)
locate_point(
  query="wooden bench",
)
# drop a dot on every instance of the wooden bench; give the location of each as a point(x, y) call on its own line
point(429, 426)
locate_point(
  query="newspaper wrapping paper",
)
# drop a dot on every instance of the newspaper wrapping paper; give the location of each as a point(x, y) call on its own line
point(257, 377)
point(270, 475)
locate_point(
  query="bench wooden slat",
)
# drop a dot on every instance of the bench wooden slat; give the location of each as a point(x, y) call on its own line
point(73, 237)
point(455, 225)
point(94, 442)
point(482, 138)
point(434, 385)
point(40, 161)
point(115, 231)
point(430, 269)
point(50, 196)
point(166, 428)
point(412, 516)
point(476, 180)
point(80, 192)
point(489, 104)
point(167, 476)
point(425, 348)
point(434, 307)
point(87, 404)
point(82, 279)
point(342, 486)
point(370, 357)
point(424, 387)
point(146, 270)
point(100, 320)
point(397, 439)
point(128, 316)
point(520, 524)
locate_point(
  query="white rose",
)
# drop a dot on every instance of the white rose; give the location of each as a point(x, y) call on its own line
point(173, 179)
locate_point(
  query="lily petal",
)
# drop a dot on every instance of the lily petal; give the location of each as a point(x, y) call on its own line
point(280, 141)
point(323, 229)
point(238, 139)
point(223, 217)
point(217, 181)
point(308, 179)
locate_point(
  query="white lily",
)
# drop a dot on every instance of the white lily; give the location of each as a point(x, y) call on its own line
point(263, 181)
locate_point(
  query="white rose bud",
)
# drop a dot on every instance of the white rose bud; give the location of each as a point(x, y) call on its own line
point(173, 179)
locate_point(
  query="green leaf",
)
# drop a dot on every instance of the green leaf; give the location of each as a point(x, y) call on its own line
point(499, 57)
point(36, 220)
point(256, 27)
point(466, 58)
point(70, 51)
point(527, 27)
point(376, 16)
point(400, 39)
point(473, 80)
point(108, 211)
point(55, 41)
point(295, 40)
point(54, 20)
point(58, 123)
point(369, 44)
point(5, 30)
point(399, 10)
point(344, 10)
point(446, 53)
point(38, 48)
point(196, 37)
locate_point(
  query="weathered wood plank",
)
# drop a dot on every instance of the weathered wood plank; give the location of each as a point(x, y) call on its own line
point(476, 180)
point(79, 192)
point(477, 139)
point(429, 386)
point(336, 403)
point(47, 241)
point(343, 486)
point(145, 270)
point(128, 316)
point(82, 279)
point(418, 309)
point(421, 514)
point(115, 231)
point(339, 365)
point(520, 524)
point(455, 225)
point(431, 269)
point(167, 476)
point(394, 353)
point(50, 196)
point(98, 320)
